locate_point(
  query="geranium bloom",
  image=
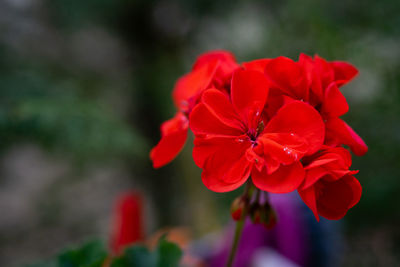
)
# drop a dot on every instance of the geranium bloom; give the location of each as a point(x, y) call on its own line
point(329, 189)
point(233, 138)
point(317, 82)
point(275, 120)
point(213, 68)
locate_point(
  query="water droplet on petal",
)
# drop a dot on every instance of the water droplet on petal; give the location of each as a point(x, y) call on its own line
point(287, 150)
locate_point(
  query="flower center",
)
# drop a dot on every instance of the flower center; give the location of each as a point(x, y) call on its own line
point(254, 133)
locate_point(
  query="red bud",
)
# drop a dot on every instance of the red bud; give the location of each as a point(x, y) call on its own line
point(237, 208)
point(263, 214)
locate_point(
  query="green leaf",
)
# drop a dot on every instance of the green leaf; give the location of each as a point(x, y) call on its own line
point(91, 254)
point(167, 254)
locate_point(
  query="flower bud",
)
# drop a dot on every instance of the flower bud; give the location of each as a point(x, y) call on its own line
point(237, 208)
point(256, 213)
point(271, 219)
point(263, 214)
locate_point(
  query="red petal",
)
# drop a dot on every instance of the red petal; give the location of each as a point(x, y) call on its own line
point(302, 120)
point(338, 154)
point(306, 62)
point(319, 162)
point(312, 176)
point(334, 104)
point(227, 64)
point(336, 198)
point(288, 76)
point(206, 147)
point(284, 180)
point(275, 100)
point(337, 129)
point(206, 58)
point(249, 93)
point(323, 76)
point(258, 64)
point(173, 137)
point(332, 161)
point(283, 147)
point(208, 118)
point(225, 167)
point(239, 172)
point(344, 72)
point(219, 104)
point(308, 196)
point(356, 188)
point(191, 84)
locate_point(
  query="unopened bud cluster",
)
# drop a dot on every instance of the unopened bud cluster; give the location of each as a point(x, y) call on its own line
point(259, 213)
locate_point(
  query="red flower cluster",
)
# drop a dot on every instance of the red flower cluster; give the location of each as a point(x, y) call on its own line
point(275, 120)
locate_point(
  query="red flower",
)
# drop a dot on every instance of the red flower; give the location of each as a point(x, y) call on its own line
point(231, 141)
point(173, 138)
point(128, 225)
point(329, 189)
point(339, 132)
point(317, 82)
point(213, 68)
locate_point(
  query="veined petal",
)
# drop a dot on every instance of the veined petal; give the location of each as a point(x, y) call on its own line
point(218, 103)
point(284, 180)
point(173, 138)
point(205, 120)
point(339, 132)
point(249, 93)
point(191, 84)
point(302, 120)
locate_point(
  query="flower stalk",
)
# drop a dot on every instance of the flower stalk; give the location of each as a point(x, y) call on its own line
point(248, 191)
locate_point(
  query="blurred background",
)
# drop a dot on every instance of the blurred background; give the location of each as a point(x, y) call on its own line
point(85, 85)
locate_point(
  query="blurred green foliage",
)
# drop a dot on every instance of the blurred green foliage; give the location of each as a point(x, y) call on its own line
point(94, 254)
point(90, 254)
point(42, 104)
point(166, 254)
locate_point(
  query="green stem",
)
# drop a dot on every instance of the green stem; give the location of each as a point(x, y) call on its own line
point(239, 225)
